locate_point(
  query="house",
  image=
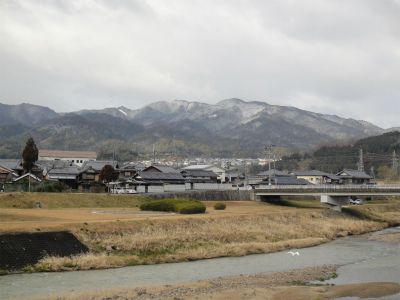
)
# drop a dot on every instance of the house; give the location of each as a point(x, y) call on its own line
point(221, 173)
point(89, 175)
point(283, 180)
point(354, 177)
point(155, 181)
point(233, 176)
point(48, 165)
point(67, 175)
point(160, 169)
point(128, 170)
point(317, 177)
point(159, 178)
point(277, 178)
point(199, 176)
point(76, 157)
point(13, 164)
point(90, 170)
point(7, 175)
point(28, 177)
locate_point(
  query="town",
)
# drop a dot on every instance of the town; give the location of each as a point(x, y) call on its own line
point(80, 171)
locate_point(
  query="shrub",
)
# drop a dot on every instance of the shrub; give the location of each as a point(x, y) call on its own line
point(219, 206)
point(183, 206)
point(160, 205)
point(192, 207)
point(49, 187)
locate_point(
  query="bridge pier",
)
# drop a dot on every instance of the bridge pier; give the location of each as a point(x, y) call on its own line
point(335, 201)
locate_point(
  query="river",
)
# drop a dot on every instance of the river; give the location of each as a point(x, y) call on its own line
point(361, 258)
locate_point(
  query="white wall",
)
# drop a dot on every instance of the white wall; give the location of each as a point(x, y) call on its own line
point(141, 189)
point(76, 160)
point(156, 189)
point(175, 187)
point(212, 186)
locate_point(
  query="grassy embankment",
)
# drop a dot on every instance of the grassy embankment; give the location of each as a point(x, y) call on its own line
point(68, 200)
point(126, 236)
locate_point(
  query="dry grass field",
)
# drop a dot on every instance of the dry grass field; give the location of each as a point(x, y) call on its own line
point(119, 234)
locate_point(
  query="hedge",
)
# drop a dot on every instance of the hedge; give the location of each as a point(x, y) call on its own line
point(183, 206)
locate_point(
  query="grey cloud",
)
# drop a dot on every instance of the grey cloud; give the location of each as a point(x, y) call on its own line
point(330, 56)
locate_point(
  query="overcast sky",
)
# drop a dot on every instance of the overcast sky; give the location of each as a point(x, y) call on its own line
point(338, 56)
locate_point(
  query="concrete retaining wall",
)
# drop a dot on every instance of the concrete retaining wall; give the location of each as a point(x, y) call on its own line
point(22, 249)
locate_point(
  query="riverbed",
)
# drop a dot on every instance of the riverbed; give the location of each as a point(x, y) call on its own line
point(362, 259)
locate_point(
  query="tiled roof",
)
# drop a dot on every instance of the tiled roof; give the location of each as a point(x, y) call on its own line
point(353, 174)
point(198, 173)
point(162, 169)
point(97, 164)
point(34, 177)
point(13, 164)
point(67, 170)
point(273, 172)
point(310, 173)
point(197, 167)
point(54, 164)
point(160, 176)
point(287, 180)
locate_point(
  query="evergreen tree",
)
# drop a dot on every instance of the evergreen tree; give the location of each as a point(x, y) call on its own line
point(108, 174)
point(29, 155)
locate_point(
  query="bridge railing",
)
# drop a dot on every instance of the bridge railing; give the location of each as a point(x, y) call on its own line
point(331, 188)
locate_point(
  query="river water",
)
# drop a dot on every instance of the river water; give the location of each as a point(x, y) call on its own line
point(361, 260)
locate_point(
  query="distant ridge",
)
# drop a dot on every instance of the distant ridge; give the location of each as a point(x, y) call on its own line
point(229, 127)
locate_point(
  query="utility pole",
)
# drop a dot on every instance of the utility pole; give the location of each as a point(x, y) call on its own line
point(395, 163)
point(244, 173)
point(154, 154)
point(268, 150)
point(175, 158)
point(361, 161)
point(228, 167)
point(113, 156)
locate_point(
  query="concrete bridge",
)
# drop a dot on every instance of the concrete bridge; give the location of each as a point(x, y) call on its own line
point(334, 195)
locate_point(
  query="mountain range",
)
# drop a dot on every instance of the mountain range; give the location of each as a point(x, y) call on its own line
point(231, 127)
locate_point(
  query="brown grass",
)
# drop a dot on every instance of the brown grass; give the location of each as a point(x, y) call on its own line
point(68, 200)
point(125, 236)
point(181, 239)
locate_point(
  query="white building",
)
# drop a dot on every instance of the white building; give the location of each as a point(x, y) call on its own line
point(76, 157)
point(217, 170)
